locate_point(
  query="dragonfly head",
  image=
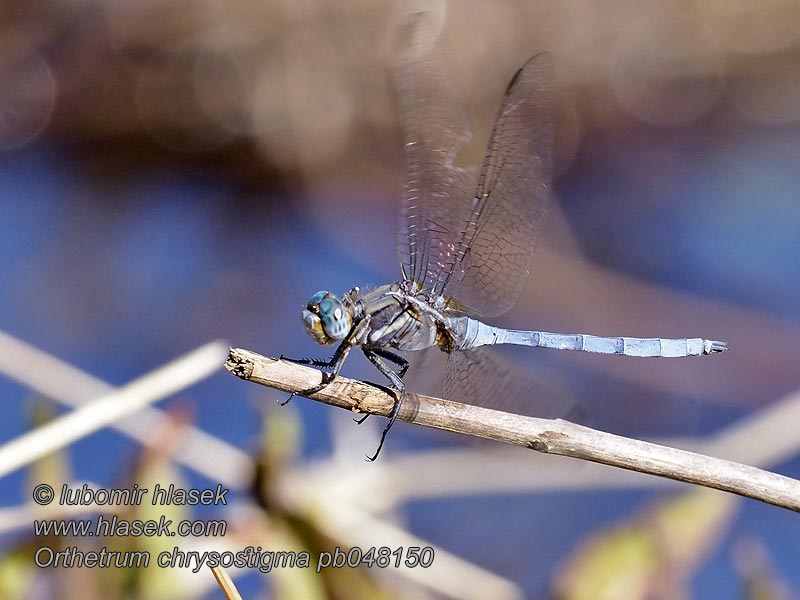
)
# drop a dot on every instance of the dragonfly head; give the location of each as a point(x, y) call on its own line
point(326, 319)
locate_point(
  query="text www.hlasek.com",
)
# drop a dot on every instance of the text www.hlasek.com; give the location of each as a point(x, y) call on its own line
point(105, 526)
point(114, 527)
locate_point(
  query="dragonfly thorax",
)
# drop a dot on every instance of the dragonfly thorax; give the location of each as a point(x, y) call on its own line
point(326, 319)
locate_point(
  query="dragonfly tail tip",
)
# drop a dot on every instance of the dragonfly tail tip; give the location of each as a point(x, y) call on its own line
point(713, 346)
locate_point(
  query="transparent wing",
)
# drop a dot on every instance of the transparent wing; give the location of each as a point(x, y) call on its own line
point(435, 129)
point(481, 377)
point(493, 257)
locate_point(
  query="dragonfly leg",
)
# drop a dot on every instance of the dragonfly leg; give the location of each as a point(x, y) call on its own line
point(335, 363)
point(313, 362)
point(354, 338)
point(396, 384)
point(350, 297)
point(303, 361)
point(391, 357)
point(395, 358)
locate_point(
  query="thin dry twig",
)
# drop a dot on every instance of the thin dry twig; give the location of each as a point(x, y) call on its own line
point(202, 452)
point(544, 435)
point(226, 583)
point(162, 382)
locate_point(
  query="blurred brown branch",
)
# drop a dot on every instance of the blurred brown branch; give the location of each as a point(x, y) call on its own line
point(259, 91)
point(226, 583)
point(544, 435)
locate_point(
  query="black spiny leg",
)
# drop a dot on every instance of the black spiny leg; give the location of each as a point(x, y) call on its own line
point(396, 384)
point(337, 360)
point(391, 357)
point(335, 363)
point(395, 358)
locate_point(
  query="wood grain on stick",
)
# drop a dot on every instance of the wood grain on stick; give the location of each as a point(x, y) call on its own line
point(551, 436)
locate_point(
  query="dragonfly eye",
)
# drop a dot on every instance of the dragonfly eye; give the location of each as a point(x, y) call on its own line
point(314, 301)
point(326, 319)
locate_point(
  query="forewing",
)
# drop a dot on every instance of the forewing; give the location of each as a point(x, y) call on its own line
point(505, 217)
point(435, 129)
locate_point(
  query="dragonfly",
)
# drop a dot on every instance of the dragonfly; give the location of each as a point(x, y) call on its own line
point(465, 248)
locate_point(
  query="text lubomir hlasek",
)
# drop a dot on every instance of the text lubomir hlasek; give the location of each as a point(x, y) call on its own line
point(136, 495)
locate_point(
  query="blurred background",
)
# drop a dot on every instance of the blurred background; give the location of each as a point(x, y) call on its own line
point(178, 171)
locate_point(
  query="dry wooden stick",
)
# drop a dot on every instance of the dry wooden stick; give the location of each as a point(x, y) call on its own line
point(543, 435)
point(101, 412)
point(226, 583)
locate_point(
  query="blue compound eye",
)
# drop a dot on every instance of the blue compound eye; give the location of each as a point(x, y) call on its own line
point(315, 300)
point(334, 317)
point(326, 319)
